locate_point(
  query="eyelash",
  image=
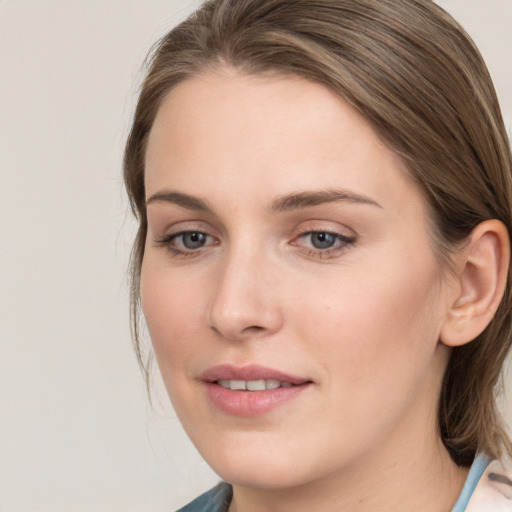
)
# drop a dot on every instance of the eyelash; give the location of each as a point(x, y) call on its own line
point(168, 242)
point(330, 252)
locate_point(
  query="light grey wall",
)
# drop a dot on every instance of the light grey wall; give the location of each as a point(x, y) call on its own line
point(76, 432)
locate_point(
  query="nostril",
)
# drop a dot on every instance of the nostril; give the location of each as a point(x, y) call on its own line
point(247, 332)
point(253, 328)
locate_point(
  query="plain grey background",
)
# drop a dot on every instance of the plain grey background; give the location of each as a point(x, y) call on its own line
point(76, 431)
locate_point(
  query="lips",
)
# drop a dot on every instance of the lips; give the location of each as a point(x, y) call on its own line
point(249, 373)
point(251, 390)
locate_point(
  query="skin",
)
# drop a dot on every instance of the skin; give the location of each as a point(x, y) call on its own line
point(361, 320)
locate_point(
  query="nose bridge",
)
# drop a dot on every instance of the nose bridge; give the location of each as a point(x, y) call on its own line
point(244, 302)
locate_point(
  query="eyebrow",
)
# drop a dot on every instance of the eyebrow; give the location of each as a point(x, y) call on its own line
point(178, 198)
point(288, 202)
point(301, 200)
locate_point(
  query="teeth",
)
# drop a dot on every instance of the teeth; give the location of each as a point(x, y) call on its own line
point(273, 384)
point(238, 385)
point(256, 385)
point(253, 385)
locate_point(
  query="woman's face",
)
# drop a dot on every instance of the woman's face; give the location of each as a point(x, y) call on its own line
point(288, 247)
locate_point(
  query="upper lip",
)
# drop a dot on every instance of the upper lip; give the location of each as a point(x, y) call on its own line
point(249, 372)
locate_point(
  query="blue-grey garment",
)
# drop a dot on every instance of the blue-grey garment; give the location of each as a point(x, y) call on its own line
point(215, 500)
point(219, 498)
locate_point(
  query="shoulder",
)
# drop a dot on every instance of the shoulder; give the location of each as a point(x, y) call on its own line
point(214, 500)
point(493, 492)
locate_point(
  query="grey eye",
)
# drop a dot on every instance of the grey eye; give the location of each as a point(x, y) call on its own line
point(193, 239)
point(322, 240)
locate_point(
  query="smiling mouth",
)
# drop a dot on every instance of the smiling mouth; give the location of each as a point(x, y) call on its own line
point(251, 390)
point(253, 385)
point(251, 377)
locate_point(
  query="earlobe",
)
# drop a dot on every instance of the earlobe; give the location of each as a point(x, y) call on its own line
point(481, 277)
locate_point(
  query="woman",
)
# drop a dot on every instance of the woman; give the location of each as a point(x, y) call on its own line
point(324, 197)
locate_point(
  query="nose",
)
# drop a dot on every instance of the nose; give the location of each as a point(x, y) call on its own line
point(245, 302)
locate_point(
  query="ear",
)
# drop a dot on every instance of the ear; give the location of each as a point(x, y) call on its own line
point(479, 283)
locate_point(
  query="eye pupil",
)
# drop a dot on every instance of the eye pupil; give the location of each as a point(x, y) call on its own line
point(323, 240)
point(193, 240)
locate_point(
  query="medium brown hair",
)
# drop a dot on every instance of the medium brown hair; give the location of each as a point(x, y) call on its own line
point(414, 73)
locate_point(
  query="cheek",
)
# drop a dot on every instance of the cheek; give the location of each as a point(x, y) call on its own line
point(374, 338)
point(378, 326)
point(173, 312)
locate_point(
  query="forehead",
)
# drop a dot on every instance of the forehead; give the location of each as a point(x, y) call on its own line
point(226, 131)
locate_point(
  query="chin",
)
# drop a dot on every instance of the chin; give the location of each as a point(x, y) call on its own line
point(265, 463)
point(270, 476)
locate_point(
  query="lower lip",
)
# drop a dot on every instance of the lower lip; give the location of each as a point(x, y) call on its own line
point(251, 403)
